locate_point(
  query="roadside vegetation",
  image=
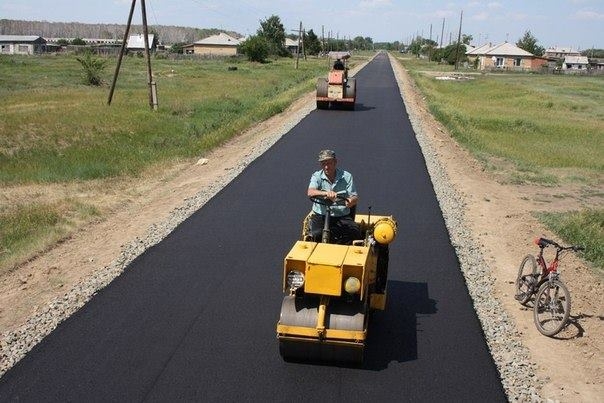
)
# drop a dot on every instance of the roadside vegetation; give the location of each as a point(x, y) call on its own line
point(529, 129)
point(57, 133)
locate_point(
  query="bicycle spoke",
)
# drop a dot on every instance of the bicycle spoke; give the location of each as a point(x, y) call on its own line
point(526, 280)
point(552, 308)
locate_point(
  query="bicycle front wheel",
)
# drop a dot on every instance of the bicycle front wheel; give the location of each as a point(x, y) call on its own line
point(552, 307)
point(526, 281)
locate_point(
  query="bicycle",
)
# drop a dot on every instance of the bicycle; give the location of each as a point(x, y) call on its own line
point(551, 306)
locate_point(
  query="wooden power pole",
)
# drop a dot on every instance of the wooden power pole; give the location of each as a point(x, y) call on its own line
point(458, 42)
point(152, 85)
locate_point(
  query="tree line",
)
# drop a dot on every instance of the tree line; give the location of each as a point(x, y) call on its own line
point(167, 34)
point(269, 40)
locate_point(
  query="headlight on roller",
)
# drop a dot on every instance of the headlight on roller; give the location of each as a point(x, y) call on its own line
point(352, 285)
point(295, 280)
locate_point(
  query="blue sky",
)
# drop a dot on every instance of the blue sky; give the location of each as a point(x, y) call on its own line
point(569, 23)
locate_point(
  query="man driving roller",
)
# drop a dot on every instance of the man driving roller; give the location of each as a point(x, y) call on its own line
point(330, 182)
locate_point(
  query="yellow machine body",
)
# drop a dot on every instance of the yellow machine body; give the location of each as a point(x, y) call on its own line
point(320, 314)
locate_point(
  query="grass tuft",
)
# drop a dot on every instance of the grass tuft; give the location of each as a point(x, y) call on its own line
point(584, 228)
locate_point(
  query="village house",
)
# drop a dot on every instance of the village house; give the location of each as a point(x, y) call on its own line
point(575, 63)
point(22, 44)
point(291, 45)
point(505, 56)
point(559, 53)
point(215, 45)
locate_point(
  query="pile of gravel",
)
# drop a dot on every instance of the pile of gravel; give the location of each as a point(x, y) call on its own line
point(512, 359)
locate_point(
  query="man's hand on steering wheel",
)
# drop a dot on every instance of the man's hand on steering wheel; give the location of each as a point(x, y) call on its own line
point(326, 200)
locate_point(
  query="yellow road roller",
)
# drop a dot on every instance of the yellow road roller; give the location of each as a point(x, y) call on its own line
point(330, 290)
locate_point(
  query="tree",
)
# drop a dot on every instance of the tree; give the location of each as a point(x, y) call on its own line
point(312, 45)
point(529, 43)
point(273, 32)
point(78, 41)
point(449, 53)
point(256, 48)
point(177, 47)
point(93, 67)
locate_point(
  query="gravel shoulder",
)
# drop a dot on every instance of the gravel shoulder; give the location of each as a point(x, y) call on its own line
point(490, 224)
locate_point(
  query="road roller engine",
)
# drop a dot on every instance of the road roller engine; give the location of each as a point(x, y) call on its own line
point(332, 288)
point(337, 88)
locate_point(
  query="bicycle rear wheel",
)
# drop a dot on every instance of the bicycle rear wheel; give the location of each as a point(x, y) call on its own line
point(526, 281)
point(552, 307)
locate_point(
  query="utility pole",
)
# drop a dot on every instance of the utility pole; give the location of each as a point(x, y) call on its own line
point(119, 59)
point(299, 44)
point(430, 48)
point(322, 38)
point(151, 83)
point(152, 86)
point(442, 34)
point(458, 42)
point(303, 46)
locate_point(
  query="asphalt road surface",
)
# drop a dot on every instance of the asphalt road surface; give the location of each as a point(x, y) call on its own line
point(193, 318)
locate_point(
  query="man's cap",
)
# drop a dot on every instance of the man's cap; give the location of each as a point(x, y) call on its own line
point(325, 155)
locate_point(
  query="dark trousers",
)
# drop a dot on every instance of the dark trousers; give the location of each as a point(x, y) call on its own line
point(343, 229)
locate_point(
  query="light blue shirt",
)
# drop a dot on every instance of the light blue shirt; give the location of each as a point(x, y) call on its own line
point(343, 185)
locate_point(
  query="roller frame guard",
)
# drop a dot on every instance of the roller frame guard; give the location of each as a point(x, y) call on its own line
point(320, 321)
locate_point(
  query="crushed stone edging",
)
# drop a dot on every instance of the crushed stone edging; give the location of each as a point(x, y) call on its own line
point(512, 358)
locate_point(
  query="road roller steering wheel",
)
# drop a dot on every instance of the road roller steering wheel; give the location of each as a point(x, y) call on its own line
point(340, 201)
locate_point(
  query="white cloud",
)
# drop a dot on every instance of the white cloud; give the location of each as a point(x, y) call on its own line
point(481, 16)
point(588, 15)
point(375, 3)
point(519, 16)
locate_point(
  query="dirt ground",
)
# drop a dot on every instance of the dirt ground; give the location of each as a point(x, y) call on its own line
point(498, 215)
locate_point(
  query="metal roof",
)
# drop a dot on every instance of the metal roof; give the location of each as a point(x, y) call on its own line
point(220, 39)
point(503, 49)
point(576, 60)
point(20, 38)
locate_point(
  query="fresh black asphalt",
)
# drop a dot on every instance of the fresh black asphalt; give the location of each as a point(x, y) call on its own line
point(193, 318)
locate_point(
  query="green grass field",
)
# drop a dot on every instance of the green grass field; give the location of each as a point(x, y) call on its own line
point(548, 128)
point(55, 129)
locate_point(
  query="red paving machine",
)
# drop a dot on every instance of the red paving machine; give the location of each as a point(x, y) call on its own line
point(337, 89)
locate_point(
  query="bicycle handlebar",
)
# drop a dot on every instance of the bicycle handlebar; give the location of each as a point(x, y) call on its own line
point(544, 242)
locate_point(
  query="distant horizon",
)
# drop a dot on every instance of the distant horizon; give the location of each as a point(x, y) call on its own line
point(576, 24)
point(232, 31)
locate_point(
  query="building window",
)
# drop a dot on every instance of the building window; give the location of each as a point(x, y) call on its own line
point(517, 62)
point(23, 48)
point(499, 62)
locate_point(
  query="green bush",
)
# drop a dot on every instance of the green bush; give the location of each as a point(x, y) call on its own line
point(93, 67)
point(256, 48)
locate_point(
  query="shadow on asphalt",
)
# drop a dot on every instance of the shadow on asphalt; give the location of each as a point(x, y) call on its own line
point(358, 107)
point(392, 334)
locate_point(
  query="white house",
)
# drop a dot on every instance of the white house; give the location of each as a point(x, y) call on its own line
point(22, 44)
point(575, 63)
